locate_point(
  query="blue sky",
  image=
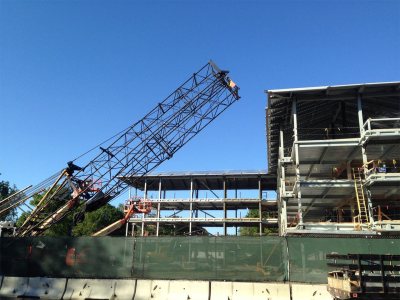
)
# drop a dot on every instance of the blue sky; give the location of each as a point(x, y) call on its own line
point(73, 73)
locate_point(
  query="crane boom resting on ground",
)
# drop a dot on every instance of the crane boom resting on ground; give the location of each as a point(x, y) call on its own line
point(136, 150)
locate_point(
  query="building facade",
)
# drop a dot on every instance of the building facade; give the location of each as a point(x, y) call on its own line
point(336, 153)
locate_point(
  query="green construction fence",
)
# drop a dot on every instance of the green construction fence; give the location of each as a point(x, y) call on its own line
point(257, 259)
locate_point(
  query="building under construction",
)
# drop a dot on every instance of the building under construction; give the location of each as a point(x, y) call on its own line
point(326, 213)
point(333, 160)
point(336, 152)
point(210, 199)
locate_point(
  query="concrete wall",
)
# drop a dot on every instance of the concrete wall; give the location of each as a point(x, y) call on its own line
point(138, 289)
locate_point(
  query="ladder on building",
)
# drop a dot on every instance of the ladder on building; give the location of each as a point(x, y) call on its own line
point(362, 217)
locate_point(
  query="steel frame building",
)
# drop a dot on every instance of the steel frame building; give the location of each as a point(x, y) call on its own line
point(219, 210)
point(333, 159)
point(319, 140)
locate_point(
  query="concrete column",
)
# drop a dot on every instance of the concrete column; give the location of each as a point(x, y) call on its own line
point(282, 218)
point(348, 170)
point(361, 122)
point(360, 114)
point(282, 213)
point(281, 145)
point(364, 157)
point(297, 161)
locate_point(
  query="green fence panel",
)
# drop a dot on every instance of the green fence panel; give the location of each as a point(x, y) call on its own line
point(106, 257)
point(257, 259)
point(47, 257)
point(385, 246)
point(14, 256)
point(210, 258)
point(251, 259)
point(307, 256)
point(67, 257)
point(32, 256)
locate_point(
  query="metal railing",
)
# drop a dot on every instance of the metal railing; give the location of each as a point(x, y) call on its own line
point(210, 200)
point(368, 125)
point(207, 220)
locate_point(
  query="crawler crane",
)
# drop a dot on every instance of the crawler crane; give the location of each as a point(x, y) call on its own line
point(87, 184)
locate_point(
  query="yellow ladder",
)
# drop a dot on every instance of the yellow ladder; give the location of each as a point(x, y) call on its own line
point(362, 216)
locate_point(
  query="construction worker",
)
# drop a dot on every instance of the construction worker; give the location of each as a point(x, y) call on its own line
point(381, 166)
point(71, 258)
point(394, 168)
point(233, 86)
point(335, 173)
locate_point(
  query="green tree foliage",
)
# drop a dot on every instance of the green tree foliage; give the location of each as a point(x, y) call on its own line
point(62, 228)
point(6, 189)
point(167, 230)
point(96, 220)
point(21, 219)
point(93, 221)
point(255, 231)
point(250, 231)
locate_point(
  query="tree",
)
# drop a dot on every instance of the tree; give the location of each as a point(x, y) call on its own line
point(62, 228)
point(255, 231)
point(250, 231)
point(6, 189)
point(96, 220)
point(93, 221)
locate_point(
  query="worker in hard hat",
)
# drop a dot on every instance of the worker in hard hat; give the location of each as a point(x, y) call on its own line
point(381, 166)
point(233, 86)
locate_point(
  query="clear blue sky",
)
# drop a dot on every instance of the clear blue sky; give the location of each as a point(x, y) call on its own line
point(73, 73)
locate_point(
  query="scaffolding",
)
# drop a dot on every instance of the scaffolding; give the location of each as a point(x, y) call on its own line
point(316, 137)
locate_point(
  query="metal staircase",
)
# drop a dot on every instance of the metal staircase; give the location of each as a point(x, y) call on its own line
point(362, 217)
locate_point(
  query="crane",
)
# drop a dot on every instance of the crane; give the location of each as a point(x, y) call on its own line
point(86, 185)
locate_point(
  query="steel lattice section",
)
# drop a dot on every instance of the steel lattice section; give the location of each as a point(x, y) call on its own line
point(141, 147)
